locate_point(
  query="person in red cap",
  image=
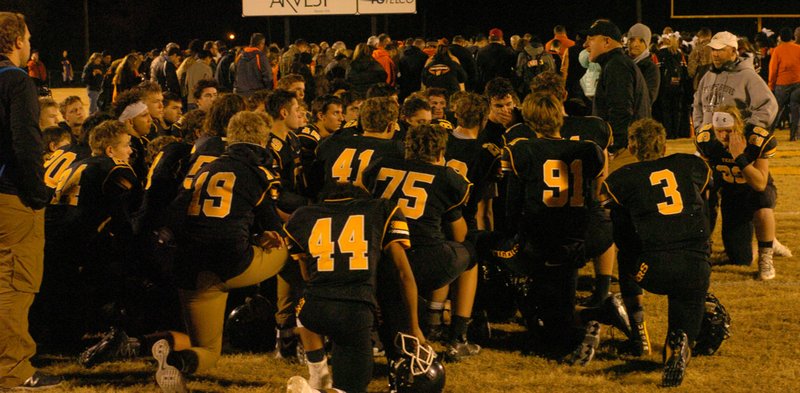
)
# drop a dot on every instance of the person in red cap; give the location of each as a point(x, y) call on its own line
point(495, 59)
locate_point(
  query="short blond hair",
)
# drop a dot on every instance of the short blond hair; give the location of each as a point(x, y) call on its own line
point(647, 139)
point(378, 113)
point(543, 112)
point(104, 135)
point(249, 127)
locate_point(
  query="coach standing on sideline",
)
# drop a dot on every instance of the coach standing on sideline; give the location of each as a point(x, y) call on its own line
point(22, 200)
point(622, 95)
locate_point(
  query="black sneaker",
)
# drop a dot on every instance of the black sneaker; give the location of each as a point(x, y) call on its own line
point(677, 355)
point(114, 345)
point(458, 350)
point(437, 333)
point(40, 381)
point(585, 352)
point(288, 347)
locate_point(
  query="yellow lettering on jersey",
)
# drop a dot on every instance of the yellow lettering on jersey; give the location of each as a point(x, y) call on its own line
point(459, 166)
point(198, 164)
point(556, 174)
point(351, 240)
point(220, 193)
point(409, 189)
point(761, 131)
point(666, 179)
point(642, 271)
point(755, 140)
point(731, 174)
point(56, 165)
point(69, 186)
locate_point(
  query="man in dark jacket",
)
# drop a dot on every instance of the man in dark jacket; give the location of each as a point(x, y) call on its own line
point(621, 96)
point(223, 73)
point(22, 198)
point(495, 60)
point(467, 61)
point(411, 65)
point(253, 71)
point(165, 70)
point(639, 37)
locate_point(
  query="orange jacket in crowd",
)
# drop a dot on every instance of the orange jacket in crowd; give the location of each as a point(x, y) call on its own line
point(36, 69)
point(784, 66)
point(382, 56)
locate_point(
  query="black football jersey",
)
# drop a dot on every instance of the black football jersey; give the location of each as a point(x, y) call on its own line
point(517, 131)
point(93, 195)
point(227, 199)
point(287, 162)
point(549, 187)
point(310, 139)
point(480, 165)
point(342, 241)
point(206, 149)
point(137, 158)
point(164, 181)
point(587, 128)
point(760, 144)
point(426, 193)
point(662, 201)
point(343, 158)
point(353, 127)
point(60, 160)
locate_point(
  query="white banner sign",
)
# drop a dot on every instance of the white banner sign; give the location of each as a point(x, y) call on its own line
point(387, 6)
point(326, 7)
point(298, 7)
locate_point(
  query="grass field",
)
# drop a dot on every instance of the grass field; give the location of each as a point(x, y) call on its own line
point(763, 353)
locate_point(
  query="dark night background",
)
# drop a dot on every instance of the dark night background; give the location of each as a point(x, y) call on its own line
point(121, 25)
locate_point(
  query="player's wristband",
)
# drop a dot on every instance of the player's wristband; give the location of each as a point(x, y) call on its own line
point(742, 161)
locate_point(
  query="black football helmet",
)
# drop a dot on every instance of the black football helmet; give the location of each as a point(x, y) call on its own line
point(250, 326)
point(715, 328)
point(417, 370)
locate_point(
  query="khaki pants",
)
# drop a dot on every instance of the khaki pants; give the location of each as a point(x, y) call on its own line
point(21, 264)
point(204, 308)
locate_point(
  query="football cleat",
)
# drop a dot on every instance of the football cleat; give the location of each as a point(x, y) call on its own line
point(39, 381)
point(458, 350)
point(114, 345)
point(677, 355)
point(288, 346)
point(436, 333)
point(585, 352)
point(780, 250)
point(766, 268)
point(613, 313)
point(298, 384)
point(169, 378)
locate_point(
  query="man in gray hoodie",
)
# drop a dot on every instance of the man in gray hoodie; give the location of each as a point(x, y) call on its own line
point(732, 81)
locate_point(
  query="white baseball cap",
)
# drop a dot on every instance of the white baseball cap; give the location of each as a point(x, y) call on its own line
point(723, 39)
